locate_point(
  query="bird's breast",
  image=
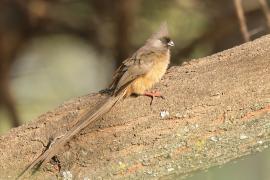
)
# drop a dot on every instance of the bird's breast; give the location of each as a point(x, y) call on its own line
point(145, 82)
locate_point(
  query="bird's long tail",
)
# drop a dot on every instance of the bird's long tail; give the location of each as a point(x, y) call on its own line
point(83, 122)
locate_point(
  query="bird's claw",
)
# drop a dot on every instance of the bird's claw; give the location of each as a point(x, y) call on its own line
point(153, 94)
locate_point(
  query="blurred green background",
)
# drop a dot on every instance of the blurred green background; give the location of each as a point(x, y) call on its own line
point(55, 50)
point(252, 167)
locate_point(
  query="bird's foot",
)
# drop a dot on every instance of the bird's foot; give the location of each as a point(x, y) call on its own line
point(153, 94)
point(106, 91)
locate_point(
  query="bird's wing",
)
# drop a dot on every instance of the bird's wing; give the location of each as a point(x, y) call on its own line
point(139, 64)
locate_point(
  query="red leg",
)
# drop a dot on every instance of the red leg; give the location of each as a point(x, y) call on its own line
point(152, 95)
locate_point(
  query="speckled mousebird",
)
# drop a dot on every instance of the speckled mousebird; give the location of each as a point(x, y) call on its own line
point(135, 75)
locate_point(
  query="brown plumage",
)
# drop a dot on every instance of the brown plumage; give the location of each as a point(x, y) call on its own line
point(136, 75)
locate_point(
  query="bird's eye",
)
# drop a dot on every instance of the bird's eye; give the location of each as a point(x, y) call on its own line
point(167, 41)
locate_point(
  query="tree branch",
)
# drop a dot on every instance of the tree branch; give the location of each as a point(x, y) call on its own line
point(266, 11)
point(216, 109)
point(242, 20)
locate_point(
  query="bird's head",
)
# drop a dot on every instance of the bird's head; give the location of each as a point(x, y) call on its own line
point(161, 39)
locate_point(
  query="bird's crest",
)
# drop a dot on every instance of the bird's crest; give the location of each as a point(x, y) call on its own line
point(162, 32)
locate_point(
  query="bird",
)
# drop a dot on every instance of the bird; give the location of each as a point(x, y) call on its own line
point(135, 76)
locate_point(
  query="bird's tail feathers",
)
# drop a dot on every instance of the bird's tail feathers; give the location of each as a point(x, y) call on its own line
point(83, 122)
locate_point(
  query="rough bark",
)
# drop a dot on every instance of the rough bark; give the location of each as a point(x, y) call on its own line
point(216, 109)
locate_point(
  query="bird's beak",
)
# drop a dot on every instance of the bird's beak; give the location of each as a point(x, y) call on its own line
point(170, 43)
